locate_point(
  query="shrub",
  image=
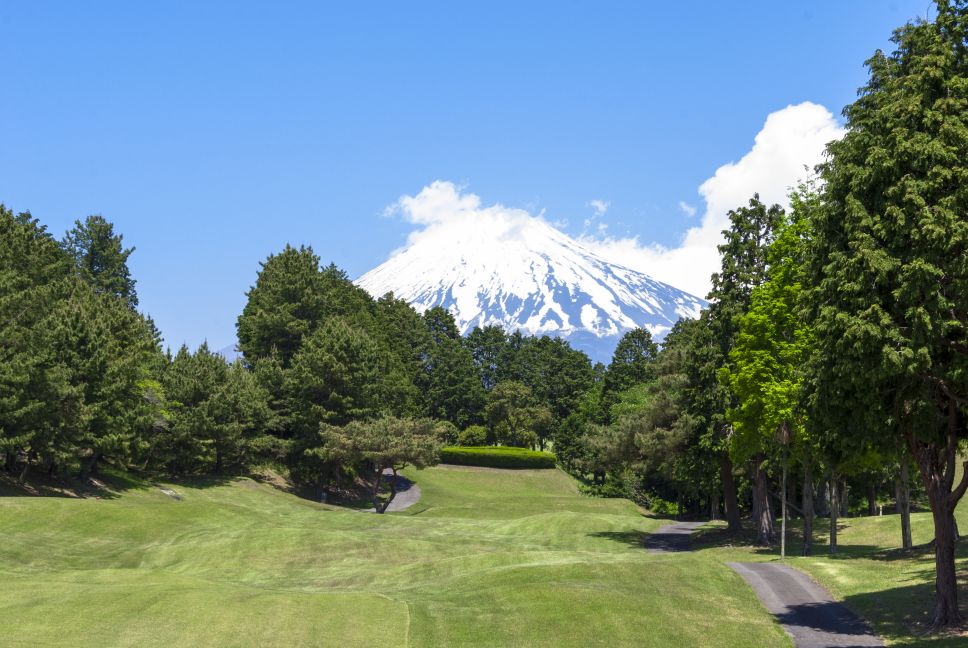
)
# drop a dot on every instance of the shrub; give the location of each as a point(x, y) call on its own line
point(497, 457)
point(474, 435)
point(447, 432)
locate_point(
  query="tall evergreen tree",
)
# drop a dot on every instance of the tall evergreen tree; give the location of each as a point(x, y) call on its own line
point(285, 304)
point(33, 278)
point(101, 258)
point(451, 388)
point(890, 269)
point(744, 266)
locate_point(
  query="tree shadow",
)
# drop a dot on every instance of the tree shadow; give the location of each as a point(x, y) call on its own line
point(831, 617)
point(632, 539)
point(903, 614)
point(108, 483)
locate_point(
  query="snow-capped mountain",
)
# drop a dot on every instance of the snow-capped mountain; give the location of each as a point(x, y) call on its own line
point(522, 273)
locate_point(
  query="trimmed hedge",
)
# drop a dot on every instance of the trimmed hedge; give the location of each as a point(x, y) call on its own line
point(497, 457)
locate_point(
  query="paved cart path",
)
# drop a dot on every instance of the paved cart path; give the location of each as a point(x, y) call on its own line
point(672, 537)
point(407, 495)
point(805, 609)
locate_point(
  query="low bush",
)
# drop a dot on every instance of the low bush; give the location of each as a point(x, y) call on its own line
point(497, 457)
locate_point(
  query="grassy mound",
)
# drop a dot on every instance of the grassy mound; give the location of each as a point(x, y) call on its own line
point(497, 457)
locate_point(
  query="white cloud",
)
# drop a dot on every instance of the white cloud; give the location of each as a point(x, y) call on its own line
point(600, 206)
point(446, 211)
point(687, 209)
point(791, 139)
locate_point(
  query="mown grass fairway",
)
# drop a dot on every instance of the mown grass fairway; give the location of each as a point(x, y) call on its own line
point(488, 558)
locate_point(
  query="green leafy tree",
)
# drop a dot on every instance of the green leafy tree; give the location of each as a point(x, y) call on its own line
point(890, 270)
point(472, 435)
point(744, 266)
point(487, 347)
point(633, 362)
point(514, 415)
point(104, 352)
point(101, 258)
point(767, 363)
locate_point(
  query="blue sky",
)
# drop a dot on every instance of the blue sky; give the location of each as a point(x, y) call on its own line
point(213, 135)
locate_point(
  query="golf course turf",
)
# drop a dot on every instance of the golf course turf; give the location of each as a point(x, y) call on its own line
point(486, 558)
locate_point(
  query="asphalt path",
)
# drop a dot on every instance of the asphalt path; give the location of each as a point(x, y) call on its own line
point(407, 495)
point(672, 537)
point(805, 609)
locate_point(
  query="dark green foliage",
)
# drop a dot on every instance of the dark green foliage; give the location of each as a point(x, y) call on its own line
point(385, 444)
point(33, 272)
point(632, 363)
point(497, 457)
point(889, 271)
point(101, 259)
point(473, 435)
point(514, 415)
point(284, 305)
point(450, 386)
point(218, 416)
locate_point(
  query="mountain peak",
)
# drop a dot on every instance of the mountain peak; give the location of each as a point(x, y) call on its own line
point(523, 273)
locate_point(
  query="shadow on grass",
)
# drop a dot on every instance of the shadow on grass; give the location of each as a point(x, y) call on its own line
point(108, 483)
point(903, 614)
point(633, 539)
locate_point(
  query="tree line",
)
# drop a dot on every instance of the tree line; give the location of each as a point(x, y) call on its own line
point(332, 386)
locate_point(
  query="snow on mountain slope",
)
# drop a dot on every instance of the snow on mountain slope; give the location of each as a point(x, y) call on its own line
point(522, 273)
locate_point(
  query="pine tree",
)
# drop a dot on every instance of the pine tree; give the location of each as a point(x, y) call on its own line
point(101, 259)
point(285, 304)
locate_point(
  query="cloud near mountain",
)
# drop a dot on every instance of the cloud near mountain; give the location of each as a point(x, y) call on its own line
point(790, 144)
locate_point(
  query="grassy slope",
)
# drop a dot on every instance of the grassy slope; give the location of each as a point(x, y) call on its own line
point(514, 558)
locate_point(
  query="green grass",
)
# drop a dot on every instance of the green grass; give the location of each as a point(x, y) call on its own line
point(497, 457)
point(488, 558)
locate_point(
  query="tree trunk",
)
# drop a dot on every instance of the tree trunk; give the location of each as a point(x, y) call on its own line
point(902, 492)
point(871, 499)
point(714, 504)
point(834, 509)
point(729, 494)
point(937, 466)
point(807, 508)
point(946, 613)
point(823, 508)
point(843, 496)
point(88, 467)
point(783, 507)
point(765, 531)
point(376, 489)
